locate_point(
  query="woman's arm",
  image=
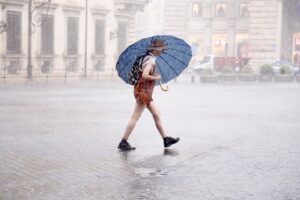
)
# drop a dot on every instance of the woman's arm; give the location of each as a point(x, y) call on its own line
point(146, 73)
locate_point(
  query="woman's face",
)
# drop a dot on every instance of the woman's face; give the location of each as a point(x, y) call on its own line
point(156, 52)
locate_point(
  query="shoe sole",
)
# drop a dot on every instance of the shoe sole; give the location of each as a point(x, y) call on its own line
point(132, 149)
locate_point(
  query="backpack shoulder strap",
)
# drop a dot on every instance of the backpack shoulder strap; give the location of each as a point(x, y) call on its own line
point(144, 59)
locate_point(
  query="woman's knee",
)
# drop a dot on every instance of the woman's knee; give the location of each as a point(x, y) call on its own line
point(156, 115)
point(135, 117)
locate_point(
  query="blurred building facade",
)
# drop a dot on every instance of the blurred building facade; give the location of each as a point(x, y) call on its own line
point(150, 21)
point(59, 38)
point(262, 30)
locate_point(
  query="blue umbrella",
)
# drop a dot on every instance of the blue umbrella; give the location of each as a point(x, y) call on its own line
point(169, 64)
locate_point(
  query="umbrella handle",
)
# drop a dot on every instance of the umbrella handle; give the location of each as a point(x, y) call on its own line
point(164, 88)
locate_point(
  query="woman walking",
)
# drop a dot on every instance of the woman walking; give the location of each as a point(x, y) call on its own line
point(143, 91)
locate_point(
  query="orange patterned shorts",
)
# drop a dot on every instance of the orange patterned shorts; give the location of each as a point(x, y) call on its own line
point(143, 91)
point(143, 97)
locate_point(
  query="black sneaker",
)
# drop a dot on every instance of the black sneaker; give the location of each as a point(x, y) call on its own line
point(125, 146)
point(168, 141)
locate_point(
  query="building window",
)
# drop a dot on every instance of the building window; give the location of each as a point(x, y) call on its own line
point(47, 34)
point(220, 10)
point(122, 35)
point(13, 32)
point(197, 10)
point(244, 10)
point(220, 44)
point(72, 35)
point(99, 36)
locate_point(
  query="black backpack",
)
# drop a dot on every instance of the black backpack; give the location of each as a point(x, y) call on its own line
point(133, 75)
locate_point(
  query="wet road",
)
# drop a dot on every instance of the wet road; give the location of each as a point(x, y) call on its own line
point(239, 141)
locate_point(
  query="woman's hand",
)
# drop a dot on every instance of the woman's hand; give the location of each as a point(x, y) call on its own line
point(157, 77)
point(146, 73)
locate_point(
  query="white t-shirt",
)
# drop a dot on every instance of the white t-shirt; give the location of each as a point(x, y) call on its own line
point(150, 59)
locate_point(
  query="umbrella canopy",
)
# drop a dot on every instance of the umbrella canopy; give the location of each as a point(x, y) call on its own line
point(169, 64)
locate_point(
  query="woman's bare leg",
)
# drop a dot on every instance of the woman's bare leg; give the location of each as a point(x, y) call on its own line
point(156, 116)
point(138, 110)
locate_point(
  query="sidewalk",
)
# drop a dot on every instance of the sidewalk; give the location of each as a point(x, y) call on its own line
point(58, 141)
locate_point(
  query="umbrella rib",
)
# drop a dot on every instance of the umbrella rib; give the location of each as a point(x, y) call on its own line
point(131, 50)
point(176, 58)
point(169, 65)
point(160, 72)
point(179, 51)
point(147, 42)
point(143, 45)
point(181, 42)
point(177, 44)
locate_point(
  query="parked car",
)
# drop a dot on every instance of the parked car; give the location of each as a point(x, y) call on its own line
point(218, 63)
point(206, 63)
point(276, 66)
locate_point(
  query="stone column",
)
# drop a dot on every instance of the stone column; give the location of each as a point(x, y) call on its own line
point(208, 23)
point(2, 31)
point(279, 30)
point(231, 42)
point(231, 28)
point(263, 30)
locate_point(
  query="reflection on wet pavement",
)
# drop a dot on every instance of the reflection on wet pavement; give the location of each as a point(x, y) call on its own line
point(171, 152)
